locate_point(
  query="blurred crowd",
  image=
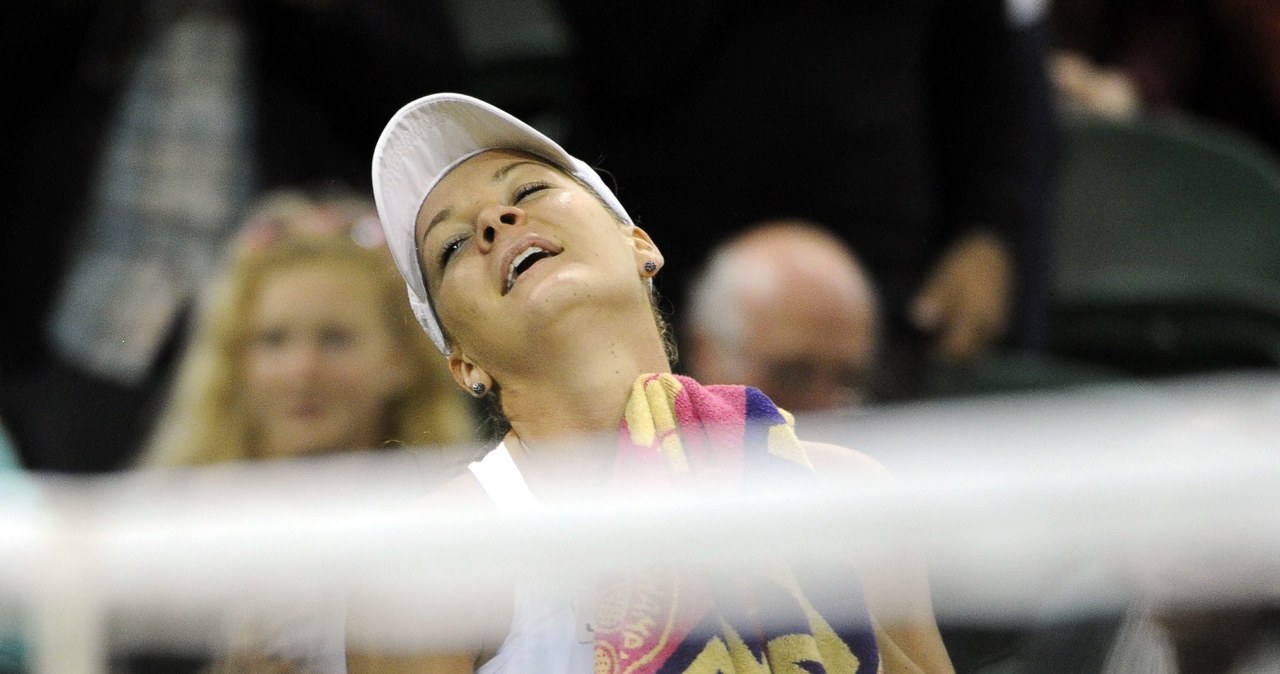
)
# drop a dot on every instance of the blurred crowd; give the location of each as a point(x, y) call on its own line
point(849, 195)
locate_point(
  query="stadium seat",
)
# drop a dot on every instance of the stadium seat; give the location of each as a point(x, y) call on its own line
point(1167, 237)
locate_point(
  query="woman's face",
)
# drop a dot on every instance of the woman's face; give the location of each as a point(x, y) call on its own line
point(321, 364)
point(510, 246)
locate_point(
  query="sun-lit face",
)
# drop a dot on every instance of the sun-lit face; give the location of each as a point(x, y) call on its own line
point(511, 246)
point(321, 364)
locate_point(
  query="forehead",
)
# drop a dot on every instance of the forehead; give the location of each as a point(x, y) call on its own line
point(808, 326)
point(326, 283)
point(482, 166)
point(478, 171)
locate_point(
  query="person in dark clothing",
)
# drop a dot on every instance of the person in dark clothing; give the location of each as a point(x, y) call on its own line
point(1216, 59)
point(141, 130)
point(921, 131)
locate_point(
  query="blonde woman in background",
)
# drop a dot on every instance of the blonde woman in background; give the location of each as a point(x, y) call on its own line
point(307, 347)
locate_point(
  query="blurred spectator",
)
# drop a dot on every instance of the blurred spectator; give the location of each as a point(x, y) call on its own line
point(307, 347)
point(1085, 87)
point(143, 128)
point(920, 131)
point(1217, 59)
point(785, 307)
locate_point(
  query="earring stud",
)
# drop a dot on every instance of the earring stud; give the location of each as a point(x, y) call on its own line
point(650, 266)
point(477, 389)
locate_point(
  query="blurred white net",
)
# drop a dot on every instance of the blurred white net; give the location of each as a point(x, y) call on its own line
point(1081, 501)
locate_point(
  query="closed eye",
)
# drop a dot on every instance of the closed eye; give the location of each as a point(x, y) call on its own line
point(336, 338)
point(450, 247)
point(528, 189)
point(271, 338)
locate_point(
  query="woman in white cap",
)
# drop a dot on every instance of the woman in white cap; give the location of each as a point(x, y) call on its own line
point(530, 277)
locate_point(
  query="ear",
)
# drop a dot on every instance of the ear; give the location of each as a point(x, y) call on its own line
point(645, 251)
point(466, 373)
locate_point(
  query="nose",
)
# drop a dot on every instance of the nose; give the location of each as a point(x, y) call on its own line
point(304, 361)
point(496, 217)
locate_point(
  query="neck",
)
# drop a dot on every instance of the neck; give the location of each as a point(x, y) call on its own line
point(584, 393)
point(572, 382)
point(564, 428)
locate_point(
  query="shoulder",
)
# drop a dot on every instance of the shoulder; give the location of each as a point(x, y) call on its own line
point(835, 463)
point(445, 475)
point(462, 489)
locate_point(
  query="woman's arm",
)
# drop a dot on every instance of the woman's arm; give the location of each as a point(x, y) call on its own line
point(896, 585)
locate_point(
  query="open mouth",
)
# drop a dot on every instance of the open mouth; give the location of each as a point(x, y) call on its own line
point(522, 262)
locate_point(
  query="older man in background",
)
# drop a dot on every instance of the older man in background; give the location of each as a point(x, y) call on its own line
point(786, 307)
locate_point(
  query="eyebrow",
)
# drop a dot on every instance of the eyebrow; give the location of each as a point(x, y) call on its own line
point(498, 175)
point(502, 172)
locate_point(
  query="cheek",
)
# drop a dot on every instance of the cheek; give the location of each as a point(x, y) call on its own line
point(260, 390)
point(261, 371)
point(567, 200)
point(460, 312)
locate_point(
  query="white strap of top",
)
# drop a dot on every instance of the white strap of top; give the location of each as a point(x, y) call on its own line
point(502, 481)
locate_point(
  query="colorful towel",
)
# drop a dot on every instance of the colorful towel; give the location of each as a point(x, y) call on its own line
point(678, 435)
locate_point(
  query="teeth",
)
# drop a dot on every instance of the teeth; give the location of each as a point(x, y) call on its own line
point(515, 263)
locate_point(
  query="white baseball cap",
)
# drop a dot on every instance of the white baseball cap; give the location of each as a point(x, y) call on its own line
point(425, 140)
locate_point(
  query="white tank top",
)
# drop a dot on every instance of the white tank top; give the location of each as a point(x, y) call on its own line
point(546, 635)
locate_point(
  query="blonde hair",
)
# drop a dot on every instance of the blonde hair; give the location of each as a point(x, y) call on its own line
point(206, 420)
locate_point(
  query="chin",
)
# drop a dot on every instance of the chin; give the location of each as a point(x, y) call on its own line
point(555, 295)
point(313, 446)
